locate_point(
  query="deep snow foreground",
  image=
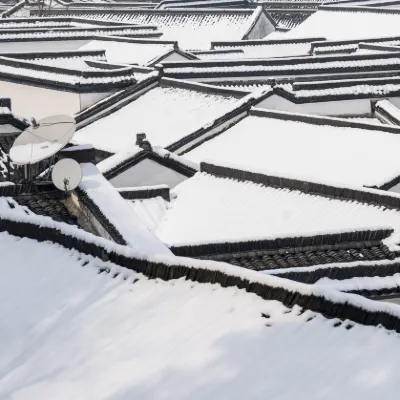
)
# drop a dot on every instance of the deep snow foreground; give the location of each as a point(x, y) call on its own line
point(71, 333)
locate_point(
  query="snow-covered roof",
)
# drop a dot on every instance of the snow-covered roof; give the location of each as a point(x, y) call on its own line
point(283, 67)
point(165, 113)
point(69, 75)
point(290, 17)
point(65, 59)
point(269, 48)
point(295, 145)
point(226, 342)
point(327, 20)
point(131, 51)
point(388, 112)
point(77, 33)
point(229, 54)
point(336, 90)
point(104, 198)
point(151, 211)
point(192, 28)
point(208, 209)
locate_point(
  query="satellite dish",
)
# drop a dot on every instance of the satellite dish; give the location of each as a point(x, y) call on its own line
point(66, 174)
point(43, 139)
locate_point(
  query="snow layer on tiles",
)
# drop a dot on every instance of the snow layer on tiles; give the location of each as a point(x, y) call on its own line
point(165, 114)
point(124, 341)
point(391, 109)
point(60, 76)
point(118, 212)
point(316, 63)
point(337, 155)
point(362, 283)
point(271, 50)
point(367, 120)
point(193, 30)
point(72, 34)
point(339, 24)
point(77, 63)
point(363, 89)
point(129, 53)
point(151, 211)
point(209, 209)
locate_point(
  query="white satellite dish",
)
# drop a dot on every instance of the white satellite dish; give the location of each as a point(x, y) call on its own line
point(66, 174)
point(43, 139)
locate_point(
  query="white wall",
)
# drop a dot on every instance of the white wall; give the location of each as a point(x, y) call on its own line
point(32, 46)
point(174, 56)
point(31, 101)
point(262, 28)
point(147, 173)
point(88, 99)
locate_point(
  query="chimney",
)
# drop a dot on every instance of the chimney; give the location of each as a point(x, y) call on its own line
point(139, 139)
point(5, 102)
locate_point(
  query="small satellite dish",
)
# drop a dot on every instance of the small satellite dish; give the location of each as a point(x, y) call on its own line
point(43, 139)
point(66, 174)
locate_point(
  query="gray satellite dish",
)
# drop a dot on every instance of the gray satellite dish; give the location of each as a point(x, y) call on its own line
point(43, 139)
point(66, 174)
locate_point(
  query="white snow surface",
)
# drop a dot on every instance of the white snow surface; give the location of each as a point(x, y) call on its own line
point(362, 283)
point(353, 24)
point(208, 209)
point(270, 50)
point(391, 109)
point(118, 212)
point(306, 151)
point(150, 211)
point(129, 53)
point(165, 114)
point(72, 333)
point(193, 30)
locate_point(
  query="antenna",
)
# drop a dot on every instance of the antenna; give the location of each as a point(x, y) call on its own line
point(43, 139)
point(66, 174)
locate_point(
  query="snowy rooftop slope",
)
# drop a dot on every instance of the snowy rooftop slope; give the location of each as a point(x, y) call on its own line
point(283, 67)
point(270, 48)
point(125, 340)
point(354, 23)
point(165, 113)
point(21, 70)
point(192, 28)
point(151, 211)
point(359, 88)
point(387, 111)
point(209, 209)
point(64, 61)
point(143, 31)
point(130, 52)
point(118, 212)
point(273, 144)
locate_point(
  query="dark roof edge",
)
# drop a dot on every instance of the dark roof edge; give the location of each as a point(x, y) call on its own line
point(319, 120)
point(203, 87)
point(352, 41)
point(359, 9)
point(321, 189)
point(50, 54)
point(155, 11)
point(186, 143)
point(114, 102)
point(139, 193)
point(101, 218)
point(282, 243)
point(344, 307)
point(168, 162)
point(313, 274)
point(243, 43)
